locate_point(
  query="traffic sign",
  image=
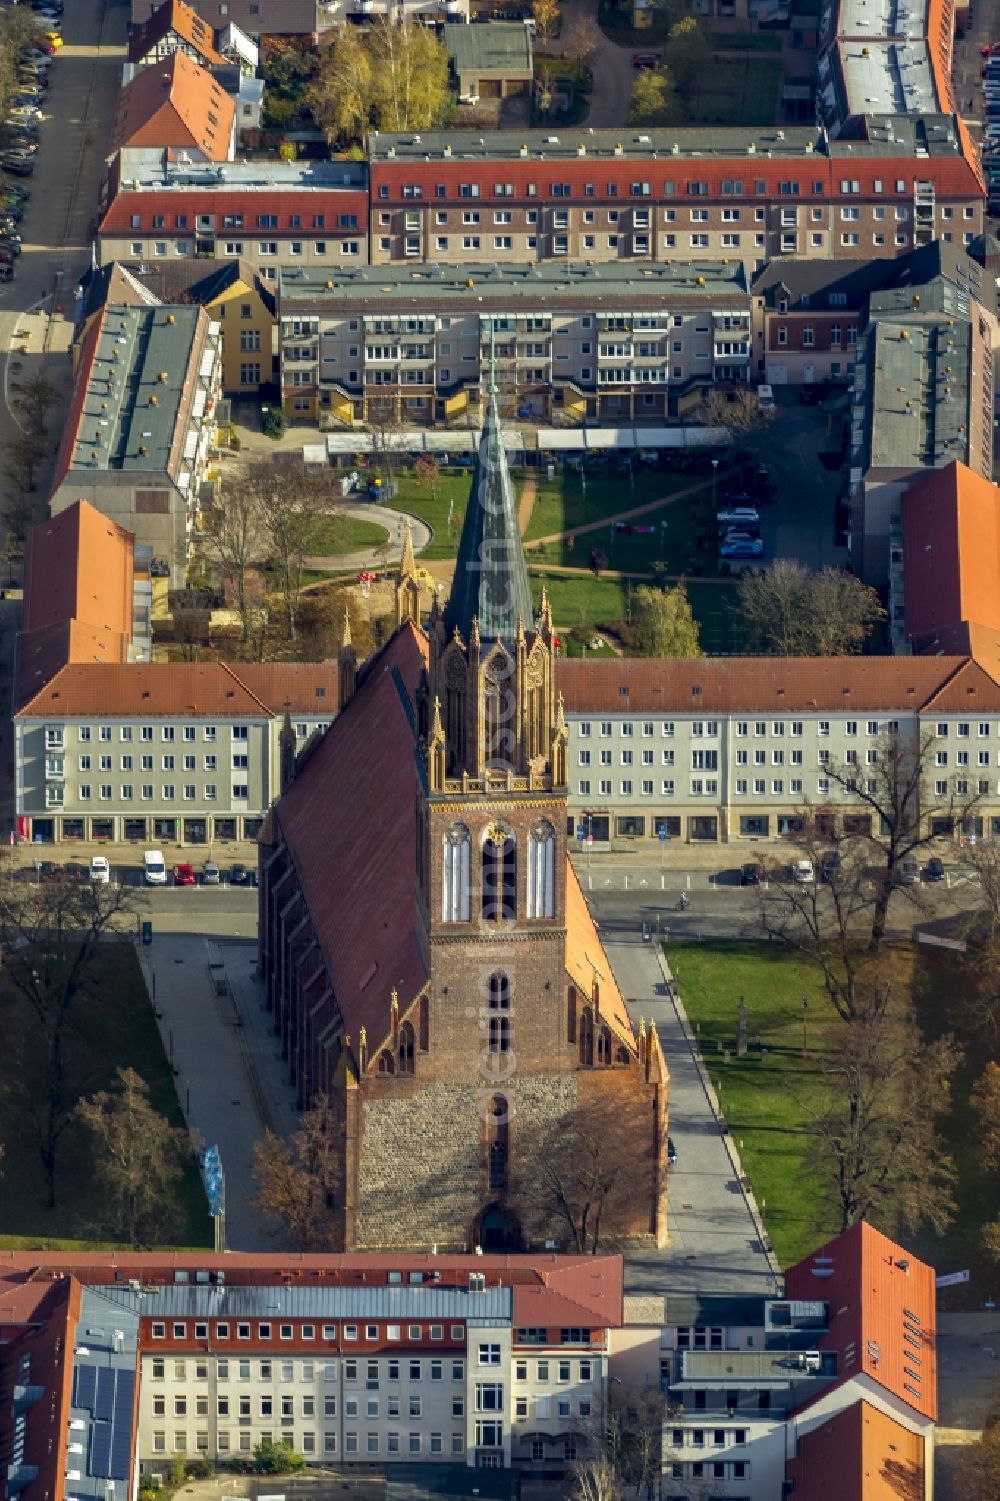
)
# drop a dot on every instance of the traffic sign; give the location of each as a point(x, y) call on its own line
point(662, 833)
point(581, 832)
point(951, 1279)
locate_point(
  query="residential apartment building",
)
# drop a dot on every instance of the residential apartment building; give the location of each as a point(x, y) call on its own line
point(173, 27)
point(141, 422)
point(885, 61)
point(234, 294)
point(177, 105)
point(363, 12)
point(810, 311)
point(923, 387)
point(609, 343)
point(156, 207)
point(670, 194)
point(480, 1362)
point(171, 752)
point(732, 750)
point(816, 1392)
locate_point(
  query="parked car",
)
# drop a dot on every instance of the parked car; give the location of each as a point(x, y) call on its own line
point(12, 247)
point(100, 870)
point(738, 516)
point(751, 873)
point(808, 396)
point(831, 865)
point(183, 875)
point(741, 547)
point(935, 869)
point(803, 872)
point(645, 59)
point(17, 166)
point(909, 871)
point(210, 874)
point(671, 1150)
point(6, 271)
point(239, 876)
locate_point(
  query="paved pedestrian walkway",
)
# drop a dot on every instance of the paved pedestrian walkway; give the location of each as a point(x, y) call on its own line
point(369, 557)
point(716, 1241)
point(231, 1080)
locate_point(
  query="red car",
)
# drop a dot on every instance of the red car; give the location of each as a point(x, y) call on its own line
point(183, 875)
point(992, 49)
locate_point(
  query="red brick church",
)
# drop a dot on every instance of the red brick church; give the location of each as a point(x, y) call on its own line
point(430, 961)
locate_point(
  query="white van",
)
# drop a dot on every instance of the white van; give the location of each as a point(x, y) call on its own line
point(100, 870)
point(153, 869)
point(765, 395)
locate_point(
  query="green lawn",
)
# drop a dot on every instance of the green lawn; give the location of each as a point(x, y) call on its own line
point(340, 534)
point(563, 503)
point(738, 91)
point(766, 1099)
point(581, 600)
point(115, 1028)
point(444, 511)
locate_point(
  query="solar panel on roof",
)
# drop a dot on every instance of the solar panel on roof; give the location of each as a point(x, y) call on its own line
point(100, 1451)
point(104, 1406)
point(121, 1425)
point(84, 1386)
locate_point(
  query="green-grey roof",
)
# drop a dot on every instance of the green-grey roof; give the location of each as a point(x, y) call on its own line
point(500, 47)
point(553, 285)
point(491, 576)
point(136, 388)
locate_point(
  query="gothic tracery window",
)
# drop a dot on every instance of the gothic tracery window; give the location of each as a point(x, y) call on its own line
point(405, 1049)
point(455, 874)
point(499, 1012)
point(499, 875)
point(542, 870)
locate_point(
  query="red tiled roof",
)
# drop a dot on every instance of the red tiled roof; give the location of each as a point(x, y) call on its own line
point(345, 800)
point(951, 551)
point(241, 206)
point(882, 1307)
point(593, 1283)
point(859, 1454)
point(78, 565)
point(37, 1318)
point(967, 690)
point(629, 685)
point(134, 689)
point(174, 15)
point(306, 687)
point(818, 177)
point(43, 653)
point(175, 103)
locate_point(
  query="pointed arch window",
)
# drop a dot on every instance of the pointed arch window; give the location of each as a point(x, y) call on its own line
point(499, 1012)
point(586, 1037)
point(455, 874)
point(542, 870)
point(499, 715)
point(405, 1049)
point(499, 875)
point(498, 1141)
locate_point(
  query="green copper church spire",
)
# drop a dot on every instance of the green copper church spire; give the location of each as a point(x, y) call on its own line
point(491, 575)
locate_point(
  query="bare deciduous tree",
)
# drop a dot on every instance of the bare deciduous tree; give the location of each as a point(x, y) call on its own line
point(138, 1157)
point(297, 1181)
point(50, 934)
point(876, 1141)
point(787, 610)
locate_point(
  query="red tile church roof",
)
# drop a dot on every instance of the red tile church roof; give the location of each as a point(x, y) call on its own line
point(348, 824)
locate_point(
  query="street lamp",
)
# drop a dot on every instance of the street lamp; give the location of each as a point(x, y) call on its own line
point(805, 1014)
point(715, 475)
